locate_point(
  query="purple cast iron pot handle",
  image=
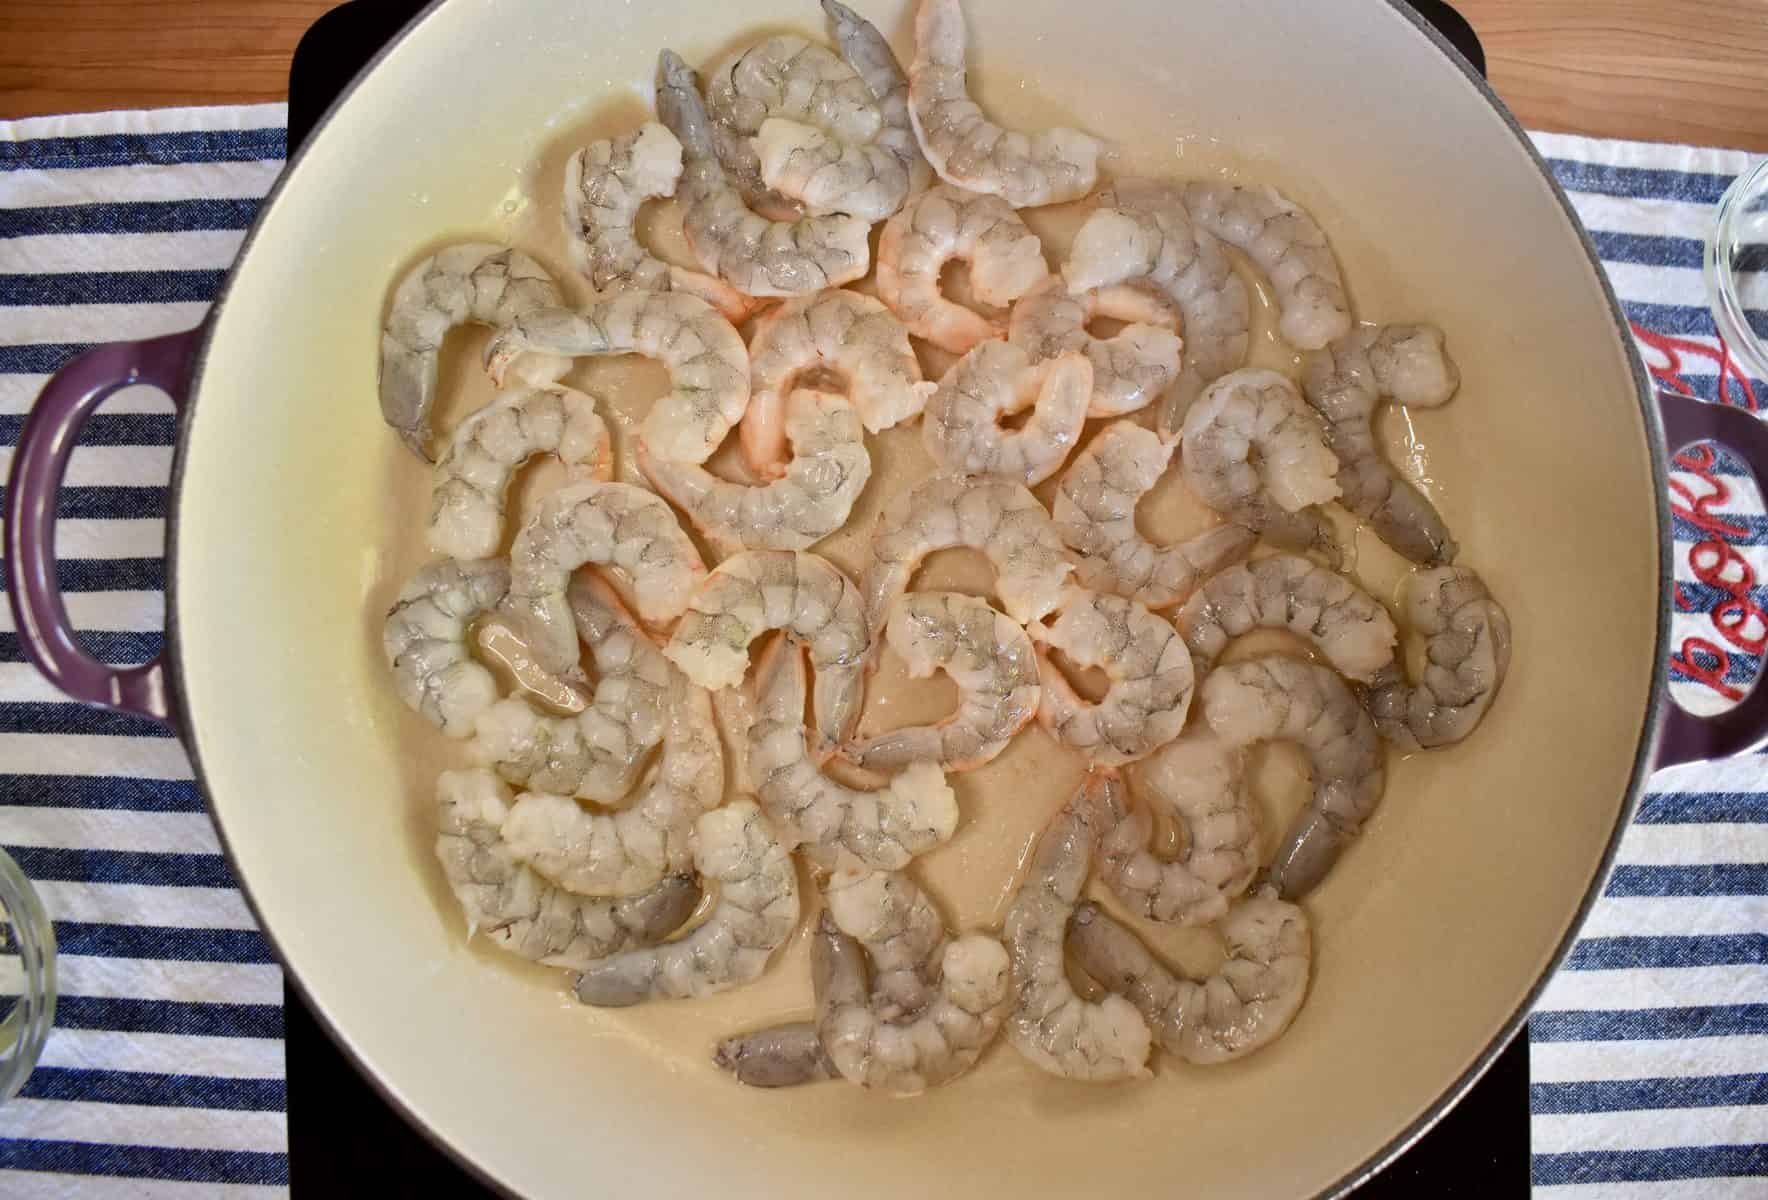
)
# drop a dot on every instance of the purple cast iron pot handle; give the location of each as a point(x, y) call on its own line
point(44, 445)
point(1683, 737)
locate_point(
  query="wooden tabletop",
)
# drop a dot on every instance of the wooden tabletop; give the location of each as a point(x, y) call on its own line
point(1657, 70)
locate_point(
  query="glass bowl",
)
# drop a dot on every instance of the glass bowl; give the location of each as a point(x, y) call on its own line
point(1737, 269)
point(27, 977)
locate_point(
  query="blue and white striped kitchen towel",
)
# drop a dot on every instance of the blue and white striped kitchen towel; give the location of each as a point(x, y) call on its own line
point(164, 1076)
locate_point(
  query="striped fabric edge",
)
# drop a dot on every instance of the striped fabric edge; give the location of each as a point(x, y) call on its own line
point(148, 121)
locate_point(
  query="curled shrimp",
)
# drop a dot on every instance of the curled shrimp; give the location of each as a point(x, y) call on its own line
point(1247, 1003)
point(1466, 655)
point(1095, 514)
point(998, 517)
point(1288, 246)
point(946, 224)
point(526, 914)
point(959, 986)
point(467, 499)
point(987, 655)
point(838, 331)
point(1254, 452)
point(470, 283)
point(1344, 383)
point(1145, 661)
point(833, 823)
point(868, 52)
point(828, 469)
point(1286, 591)
point(757, 256)
point(1200, 784)
point(962, 427)
point(605, 524)
point(425, 639)
point(1130, 368)
point(758, 590)
point(1279, 698)
point(756, 911)
point(786, 1055)
point(1050, 1023)
point(1138, 234)
point(970, 151)
point(606, 183)
point(707, 362)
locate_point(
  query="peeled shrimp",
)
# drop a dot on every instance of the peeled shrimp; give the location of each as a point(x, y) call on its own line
point(471, 283)
point(607, 524)
point(1145, 661)
point(781, 1056)
point(836, 330)
point(1286, 591)
point(1095, 514)
point(828, 469)
point(1201, 785)
point(756, 911)
point(868, 52)
point(1139, 234)
point(758, 590)
point(606, 183)
point(757, 256)
point(990, 658)
point(467, 498)
point(1466, 655)
point(962, 427)
point(707, 362)
point(1344, 383)
point(425, 639)
point(1248, 1003)
point(1130, 368)
point(1255, 453)
point(1288, 246)
point(996, 516)
point(1280, 698)
point(970, 151)
point(944, 224)
point(832, 822)
point(872, 1037)
point(1050, 1024)
point(523, 912)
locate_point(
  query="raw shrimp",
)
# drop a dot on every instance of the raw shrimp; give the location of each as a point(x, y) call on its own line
point(939, 226)
point(914, 812)
point(837, 331)
point(867, 52)
point(757, 256)
point(1344, 383)
point(872, 1037)
point(1139, 234)
point(1466, 655)
point(524, 913)
point(970, 151)
point(828, 469)
point(1248, 1003)
point(1050, 1024)
point(1288, 246)
point(606, 183)
point(1130, 368)
point(758, 590)
point(707, 362)
point(1286, 591)
point(1280, 698)
point(1254, 452)
point(1201, 785)
point(990, 658)
point(425, 638)
point(962, 428)
point(610, 525)
point(471, 283)
point(756, 911)
point(1095, 514)
point(1145, 661)
point(827, 176)
point(485, 451)
point(996, 516)
point(781, 1056)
